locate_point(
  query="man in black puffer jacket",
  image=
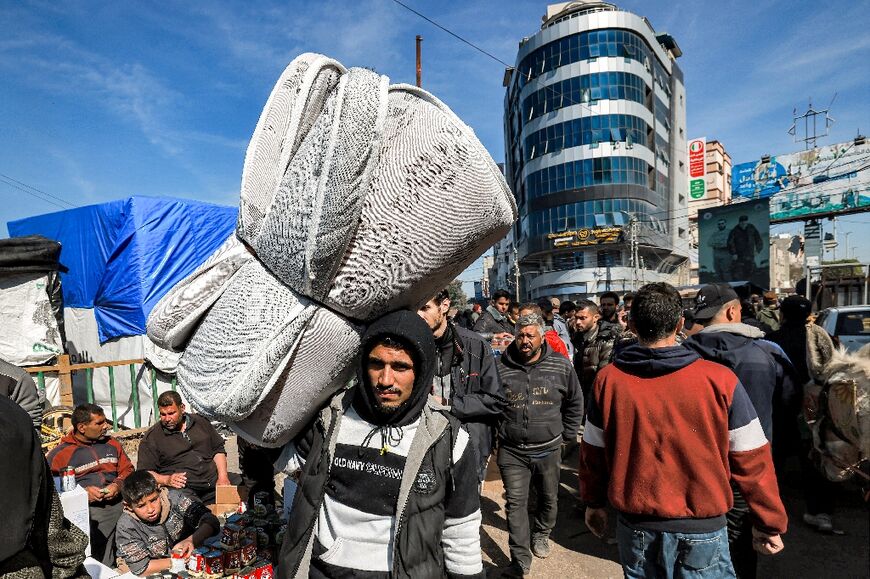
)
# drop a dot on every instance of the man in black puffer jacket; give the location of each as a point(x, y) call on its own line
point(388, 483)
point(466, 380)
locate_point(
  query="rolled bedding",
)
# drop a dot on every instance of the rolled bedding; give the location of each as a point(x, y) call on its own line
point(358, 198)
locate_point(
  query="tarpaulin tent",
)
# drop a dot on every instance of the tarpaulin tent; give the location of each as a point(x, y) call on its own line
point(122, 257)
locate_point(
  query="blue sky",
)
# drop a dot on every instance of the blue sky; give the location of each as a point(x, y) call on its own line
point(102, 100)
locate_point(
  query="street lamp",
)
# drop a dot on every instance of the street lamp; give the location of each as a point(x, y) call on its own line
point(848, 233)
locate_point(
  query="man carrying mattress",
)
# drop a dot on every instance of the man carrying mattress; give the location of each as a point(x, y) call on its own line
point(388, 478)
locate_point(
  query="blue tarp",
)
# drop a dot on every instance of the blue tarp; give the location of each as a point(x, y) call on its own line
point(123, 256)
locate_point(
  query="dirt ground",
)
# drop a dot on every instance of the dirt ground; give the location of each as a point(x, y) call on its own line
point(576, 553)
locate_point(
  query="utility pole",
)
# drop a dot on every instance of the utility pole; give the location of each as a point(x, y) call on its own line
point(813, 248)
point(419, 61)
point(633, 250)
point(517, 275)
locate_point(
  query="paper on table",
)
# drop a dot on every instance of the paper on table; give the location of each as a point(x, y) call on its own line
point(99, 571)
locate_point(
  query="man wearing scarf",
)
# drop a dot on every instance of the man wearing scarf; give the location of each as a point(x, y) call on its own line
point(388, 481)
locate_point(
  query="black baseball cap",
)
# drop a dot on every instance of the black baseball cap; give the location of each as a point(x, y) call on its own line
point(711, 298)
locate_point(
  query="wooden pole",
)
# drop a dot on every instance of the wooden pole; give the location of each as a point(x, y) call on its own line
point(64, 373)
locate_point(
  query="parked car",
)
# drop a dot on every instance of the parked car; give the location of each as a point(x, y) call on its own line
point(848, 325)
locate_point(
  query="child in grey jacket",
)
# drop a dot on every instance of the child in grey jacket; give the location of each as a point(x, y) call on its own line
point(157, 521)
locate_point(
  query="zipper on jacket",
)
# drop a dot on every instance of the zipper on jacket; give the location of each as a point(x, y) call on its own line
point(327, 436)
point(401, 510)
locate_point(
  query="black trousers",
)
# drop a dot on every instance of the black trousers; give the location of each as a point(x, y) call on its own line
point(519, 472)
point(104, 518)
point(743, 555)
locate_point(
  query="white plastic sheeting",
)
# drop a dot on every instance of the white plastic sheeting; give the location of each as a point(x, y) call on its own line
point(83, 346)
point(29, 335)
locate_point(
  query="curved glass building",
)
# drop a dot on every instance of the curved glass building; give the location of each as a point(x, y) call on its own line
point(595, 147)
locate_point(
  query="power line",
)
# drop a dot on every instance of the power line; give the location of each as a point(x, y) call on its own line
point(32, 194)
point(451, 33)
point(19, 184)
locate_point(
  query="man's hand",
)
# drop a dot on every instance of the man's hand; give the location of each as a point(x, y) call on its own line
point(503, 336)
point(177, 480)
point(596, 520)
point(224, 481)
point(766, 544)
point(622, 318)
point(110, 492)
point(94, 494)
point(185, 546)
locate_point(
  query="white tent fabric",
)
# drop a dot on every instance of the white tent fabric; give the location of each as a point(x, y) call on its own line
point(358, 198)
point(83, 346)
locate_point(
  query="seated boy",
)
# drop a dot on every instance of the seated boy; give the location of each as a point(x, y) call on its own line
point(157, 521)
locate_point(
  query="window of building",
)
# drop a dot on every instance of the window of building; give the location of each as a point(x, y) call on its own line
point(588, 89)
point(609, 258)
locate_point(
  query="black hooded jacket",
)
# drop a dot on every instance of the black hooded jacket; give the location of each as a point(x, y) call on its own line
point(35, 539)
point(476, 396)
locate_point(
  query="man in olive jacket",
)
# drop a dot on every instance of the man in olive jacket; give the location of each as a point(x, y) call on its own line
point(545, 407)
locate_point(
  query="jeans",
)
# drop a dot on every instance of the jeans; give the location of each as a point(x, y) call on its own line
point(645, 553)
point(518, 472)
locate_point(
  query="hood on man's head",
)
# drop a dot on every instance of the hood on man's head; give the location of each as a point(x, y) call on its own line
point(409, 329)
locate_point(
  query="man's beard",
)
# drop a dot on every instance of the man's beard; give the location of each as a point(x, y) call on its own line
point(383, 409)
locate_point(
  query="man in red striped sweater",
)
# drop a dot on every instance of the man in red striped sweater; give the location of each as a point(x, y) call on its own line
point(101, 465)
point(665, 432)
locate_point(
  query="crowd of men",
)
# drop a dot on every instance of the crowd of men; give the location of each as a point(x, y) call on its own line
point(681, 414)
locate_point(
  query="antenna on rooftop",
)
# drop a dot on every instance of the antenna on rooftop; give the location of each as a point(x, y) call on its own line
point(811, 129)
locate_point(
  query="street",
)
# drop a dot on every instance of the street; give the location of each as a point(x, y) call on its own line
point(576, 553)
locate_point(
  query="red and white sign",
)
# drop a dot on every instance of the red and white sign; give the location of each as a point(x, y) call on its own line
point(697, 158)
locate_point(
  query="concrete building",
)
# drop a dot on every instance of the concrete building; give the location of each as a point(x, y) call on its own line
point(501, 273)
point(786, 265)
point(595, 137)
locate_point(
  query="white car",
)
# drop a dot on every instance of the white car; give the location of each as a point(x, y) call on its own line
point(848, 324)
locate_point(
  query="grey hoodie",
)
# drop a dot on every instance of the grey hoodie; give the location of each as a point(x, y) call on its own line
point(17, 385)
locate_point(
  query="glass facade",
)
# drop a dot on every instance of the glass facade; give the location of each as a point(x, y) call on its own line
point(601, 186)
point(583, 46)
point(596, 213)
point(584, 89)
point(587, 173)
point(586, 131)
